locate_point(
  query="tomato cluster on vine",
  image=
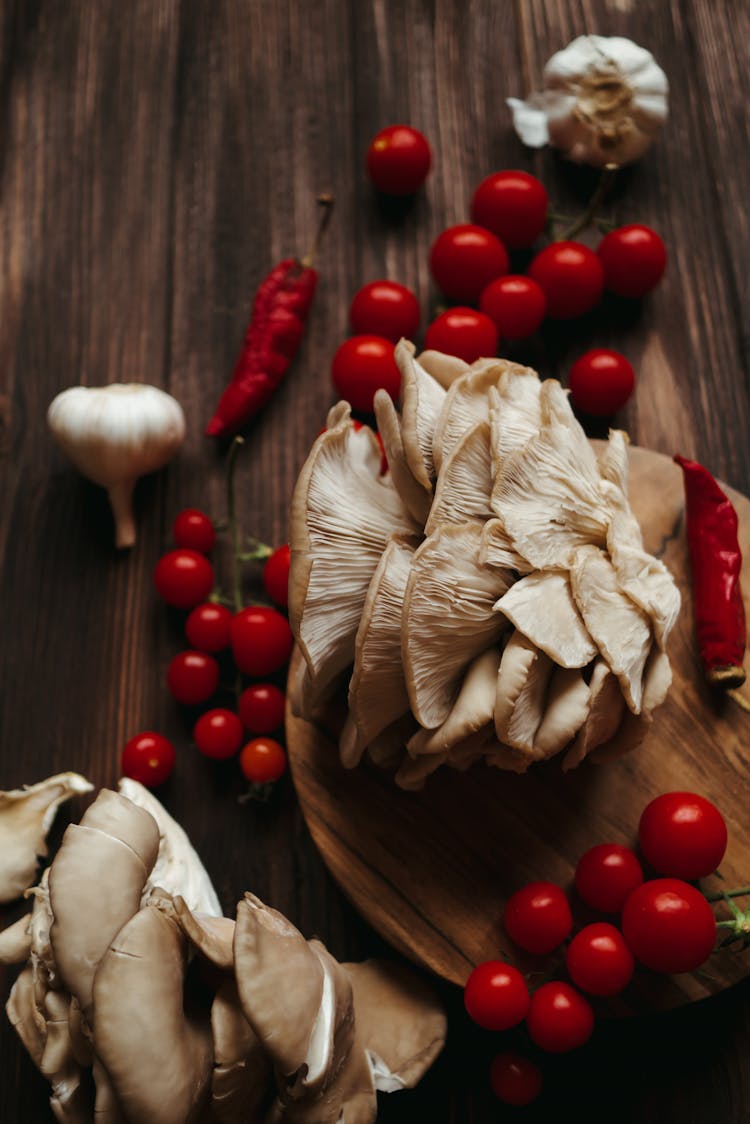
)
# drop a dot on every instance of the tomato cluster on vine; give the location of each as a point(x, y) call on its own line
point(472, 267)
point(254, 641)
point(666, 925)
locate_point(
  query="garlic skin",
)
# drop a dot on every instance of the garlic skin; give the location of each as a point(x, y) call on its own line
point(604, 100)
point(114, 434)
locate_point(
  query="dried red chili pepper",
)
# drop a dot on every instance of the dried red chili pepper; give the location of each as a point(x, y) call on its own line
point(272, 338)
point(716, 562)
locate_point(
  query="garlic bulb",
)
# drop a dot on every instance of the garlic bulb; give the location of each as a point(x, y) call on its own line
point(604, 101)
point(114, 434)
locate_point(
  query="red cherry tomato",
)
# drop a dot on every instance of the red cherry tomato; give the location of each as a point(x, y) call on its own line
point(633, 258)
point(398, 160)
point(218, 733)
point(385, 308)
point(513, 205)
point(261, 708)
point(207, 627)
point(683, 835)
point(464, 259)
point(514, 1079)
point(463, 332)
point(148, 758)
point(262, 761)
point(362, 365)
point(194, 530)
point(606, 875)
point(183, 578)
point(601, 382)
point(559, 1018)
point(571, 276)
point(669, 926)
point(599, 961)
point(516, 304)
point(496, 996)
point(276, 575)
point(261, 640)
point(537, 917)
point(192, 677)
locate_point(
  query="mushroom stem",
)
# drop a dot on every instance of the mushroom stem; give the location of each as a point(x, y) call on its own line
point(121, 502)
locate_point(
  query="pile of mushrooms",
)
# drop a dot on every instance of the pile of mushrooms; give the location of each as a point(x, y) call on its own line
point(140, 1003)
point(490, 596)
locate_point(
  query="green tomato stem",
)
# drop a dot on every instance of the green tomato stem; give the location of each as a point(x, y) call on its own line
point(741, 892)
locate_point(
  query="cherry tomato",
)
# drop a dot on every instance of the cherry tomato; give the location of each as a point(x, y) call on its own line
point(194, 530)
point(599, 961)
point(514, 1079)
point(398, 160)
point(606, 875)
point(261, 708)
point(559, 1018)
point(682, 834)
point(633, 258)
point(463, 332)
point(516, 304)
point(513, 205)
point(385, 308)
point(207, 627)
point(571, 276)
point(362, 365)
point(262, 761)
point(183, 578)
point(496, 996)
point(218, 733)
point(601, 382)
point(464, 259)
point(192, 677)
point(669, 926)
point(148, 758)
point(276, 575)
point(537, 917)
point(261, 640)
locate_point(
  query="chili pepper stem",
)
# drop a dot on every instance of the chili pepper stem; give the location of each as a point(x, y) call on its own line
point(326, 202)
point(606, 179)
point(740, 700)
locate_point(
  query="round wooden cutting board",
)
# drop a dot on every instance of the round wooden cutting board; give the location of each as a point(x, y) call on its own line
point(431, 870)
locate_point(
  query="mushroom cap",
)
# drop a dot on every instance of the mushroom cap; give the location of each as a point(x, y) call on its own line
point(472, 710)
point(422, 400)
point(158, 1056)
point(15, 941)
point(400, 1022)
point(522, 684)
point(118, 816)
point(242, 1080)
point(177, 869)
point(467, 402)
point(389, 747)
point(565, 711)
point(26, 815)
point(447, 618)
point(416, 499)
point(70, 1101)
point(496, 549)
point(620, 630)
point(279, 981)
point(444, 369)
point(515, 412)
point(462, 492)
point(24, 1017)
point(212, 936)
point(606, 709)
point(377, 690)
point(342, 517)
point(541, 606)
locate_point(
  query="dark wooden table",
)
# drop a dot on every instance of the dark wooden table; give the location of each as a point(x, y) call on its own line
point(156, 157)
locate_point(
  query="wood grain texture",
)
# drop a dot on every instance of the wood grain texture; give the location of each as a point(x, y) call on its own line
point(432, 870)
point(155, 159)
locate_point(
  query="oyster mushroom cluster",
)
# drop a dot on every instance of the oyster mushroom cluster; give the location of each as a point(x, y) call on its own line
point(140, 1003)
point(490, 596)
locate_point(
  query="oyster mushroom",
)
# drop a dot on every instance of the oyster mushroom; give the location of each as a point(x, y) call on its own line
point(24, 1017)
point(541, 606)
point(388, 748)
point(157, 1055)
point(98, 875)
point(445, 369)
point(177, 869)
point(26, 815)
point(462, 492)
point(447, 618)
point(416, 499)
point(606, 710)
point(472, 710)
point(15, 941)
point(342, 518)
point(242, 1079)
point(422, 399)
point(465, 404)
point(566, 709)
point(212, 936)
point(620, 630)
point(70, 1100)
point(414, 771)
point(377, 690)
point(522, 684)
point(496, 549)
point(515, 411)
